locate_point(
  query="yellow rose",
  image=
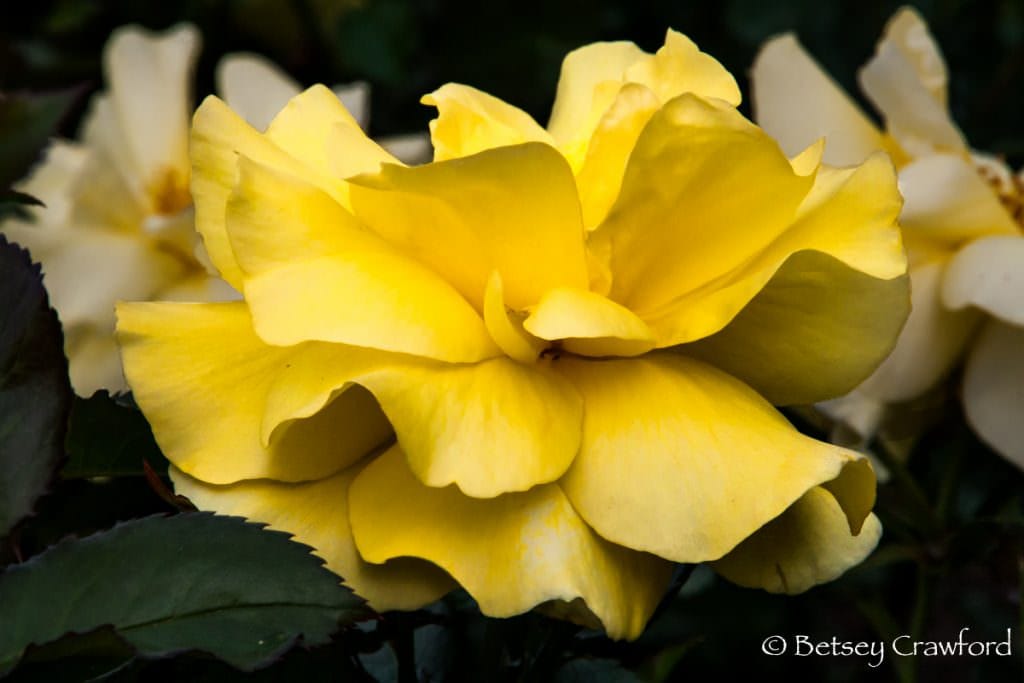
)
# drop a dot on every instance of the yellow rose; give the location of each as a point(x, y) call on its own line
point(118, 222)
point(539, 367)
point(961, 222)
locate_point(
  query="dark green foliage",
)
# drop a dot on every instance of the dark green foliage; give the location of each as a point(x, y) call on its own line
point(26, 123)
point(172, 584)
point(35, 394)
point(109, 437)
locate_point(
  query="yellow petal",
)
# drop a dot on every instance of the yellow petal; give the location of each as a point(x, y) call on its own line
point(600, 177)
point(704, 191)
point(947, 202)
point(150, 89)
point(489, 428)
point(218, 137)
point(589, 324)
point(274, 219)
point(319, 378)
point(592, 80)
point(808, 544)
point(930, 344)
point(316, 513)
point(680, 67)
point(815, 331)
point(254, 87)
point(506, 326)
point(988, 273)
point(850, 215)
point(510, 553)
point(905, 80)
point(796, 103)
point(313, 273)
point(376, 299)
point(808, 162)
point(511, 209)
point(185, 362)
point(993, 390)
point(302, 129)
point(682, 460)
point(470, 121)
point(580, 101)
point(349, 152)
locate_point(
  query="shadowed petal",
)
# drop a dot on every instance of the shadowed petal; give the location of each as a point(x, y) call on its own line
point(988, 273)
point(993, 390)
point(808, 544)
point(930, 344)
point(510, 553)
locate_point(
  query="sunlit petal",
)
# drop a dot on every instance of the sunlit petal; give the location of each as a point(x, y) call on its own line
point(511, 209)
point(589, 324)
point(295, 243)
point(470, 121)
point(692, 175)
point(218, 137)
point(489, 428)
point(185, 362)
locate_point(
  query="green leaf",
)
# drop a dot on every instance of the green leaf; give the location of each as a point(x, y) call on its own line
point(26, 123)
point(35, 394)
point(108, 437)
point(193, 581)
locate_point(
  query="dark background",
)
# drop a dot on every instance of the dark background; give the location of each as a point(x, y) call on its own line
point(513, 50)
point(953, 553)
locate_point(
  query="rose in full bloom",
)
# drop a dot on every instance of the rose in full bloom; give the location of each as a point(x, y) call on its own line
point(118, 222)
point(961, 221)
point(541, 367)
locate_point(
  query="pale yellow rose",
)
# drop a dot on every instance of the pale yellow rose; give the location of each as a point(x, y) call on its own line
point(961, 222)
point(118, 222)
